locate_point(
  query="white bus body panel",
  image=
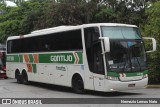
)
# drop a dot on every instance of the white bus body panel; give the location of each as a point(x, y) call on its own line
point(91, 81)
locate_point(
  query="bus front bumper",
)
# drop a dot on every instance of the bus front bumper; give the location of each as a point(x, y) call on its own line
point(120, 86)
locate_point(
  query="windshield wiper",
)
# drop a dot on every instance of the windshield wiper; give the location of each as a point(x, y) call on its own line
point(127, 59)
point(127, 65)
point(136, 57)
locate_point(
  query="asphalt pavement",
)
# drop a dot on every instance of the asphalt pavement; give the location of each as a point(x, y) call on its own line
point(9, 88)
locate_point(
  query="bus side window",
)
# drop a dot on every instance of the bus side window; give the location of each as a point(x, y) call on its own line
point(94, 50)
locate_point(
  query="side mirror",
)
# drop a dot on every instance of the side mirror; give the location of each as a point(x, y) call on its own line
point(106, 43)
point(153, 44)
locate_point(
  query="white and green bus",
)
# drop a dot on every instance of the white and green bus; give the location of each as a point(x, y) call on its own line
point(100, 56)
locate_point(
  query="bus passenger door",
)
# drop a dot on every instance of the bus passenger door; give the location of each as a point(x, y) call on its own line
point(94, 57)
point(98, 68)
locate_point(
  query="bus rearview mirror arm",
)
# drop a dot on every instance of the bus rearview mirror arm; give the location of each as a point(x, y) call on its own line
point(106, 43)
point(153, 44)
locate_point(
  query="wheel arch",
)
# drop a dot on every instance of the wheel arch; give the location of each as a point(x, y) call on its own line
point(75, 76)
point(78, 83)
point(25, 77)
point(24, 71)
point(17, 71)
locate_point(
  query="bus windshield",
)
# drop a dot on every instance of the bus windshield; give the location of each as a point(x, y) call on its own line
point(127, 52)
point(121, 32)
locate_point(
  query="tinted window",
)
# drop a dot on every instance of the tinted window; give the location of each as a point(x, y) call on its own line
point(93, 50)
point(68, 41)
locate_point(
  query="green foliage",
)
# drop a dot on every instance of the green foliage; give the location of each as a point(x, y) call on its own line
point(105, 14)
point(10, 21)
point(33, 10)
point(38, 14)
point(152, 28)
point(20, 20)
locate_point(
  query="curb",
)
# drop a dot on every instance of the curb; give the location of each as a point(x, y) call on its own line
point(153, 86)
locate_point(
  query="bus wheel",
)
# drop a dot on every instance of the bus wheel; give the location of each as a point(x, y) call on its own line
point(18, 76)
point(77, 84)
point(25, 78)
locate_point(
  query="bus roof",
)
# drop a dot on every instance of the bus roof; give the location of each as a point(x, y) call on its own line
point(67, 28)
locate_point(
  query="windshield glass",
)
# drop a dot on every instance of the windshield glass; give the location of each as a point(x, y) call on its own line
point(120, 32)
point(126, 53)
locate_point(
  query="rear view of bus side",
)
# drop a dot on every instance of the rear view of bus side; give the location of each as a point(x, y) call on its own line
point(101, 57)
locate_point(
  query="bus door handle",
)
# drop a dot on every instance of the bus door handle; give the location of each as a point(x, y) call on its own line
point(50, 74)
point(42, 73)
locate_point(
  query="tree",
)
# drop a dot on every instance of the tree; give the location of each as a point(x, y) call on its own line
point(33, 11)
point(64, 12)
point(9, 22)
point(38, 14)
point(152, 28)
point(17, 2)
point(20, 19)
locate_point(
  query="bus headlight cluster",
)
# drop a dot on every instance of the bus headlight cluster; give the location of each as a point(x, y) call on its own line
point(113, 78)
point(145, 76)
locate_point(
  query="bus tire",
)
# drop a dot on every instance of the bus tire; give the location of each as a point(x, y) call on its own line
point(77, 84)
point(18, 76)
point(25, 78)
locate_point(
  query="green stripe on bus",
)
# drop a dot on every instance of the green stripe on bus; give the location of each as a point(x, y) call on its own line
point(80, 57)
point(12, 58)
point(31, 59)
point(65, 58)
point(34, 68)
point(134, 74)
point(145, 72)
point(115, 74)
point(20, 58)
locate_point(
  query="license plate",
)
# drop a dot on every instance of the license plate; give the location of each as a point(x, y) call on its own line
point(131, 85)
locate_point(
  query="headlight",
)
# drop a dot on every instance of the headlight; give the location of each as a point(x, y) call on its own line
point(113, 78)
point(145, 76)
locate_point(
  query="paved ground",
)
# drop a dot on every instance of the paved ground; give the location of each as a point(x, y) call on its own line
point(10, 89)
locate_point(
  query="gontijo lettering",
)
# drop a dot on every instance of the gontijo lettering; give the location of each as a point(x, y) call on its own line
point(59, 58)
